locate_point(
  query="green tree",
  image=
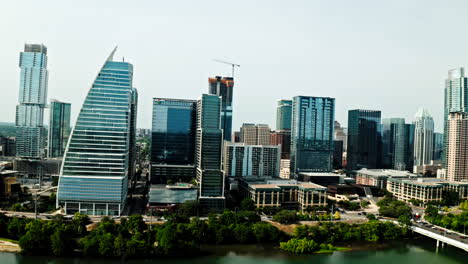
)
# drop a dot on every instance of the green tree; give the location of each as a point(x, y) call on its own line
point(285, 217)
point(247, 204)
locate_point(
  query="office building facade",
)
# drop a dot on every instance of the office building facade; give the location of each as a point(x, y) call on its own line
point(30, 131)
point(173, 140)
point(283, 138)
point(312, 134)
point(208, 147)
point(255, 134)
point(95, 169)
point(59, 128)
point(457, 147)
point(283, 114)
point(438, 146)
point(364, 139)
point(223, 86)
point(423, 138)
point(242, 160)
point(398, 144)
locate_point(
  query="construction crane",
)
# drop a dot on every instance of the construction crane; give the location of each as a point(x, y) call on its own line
point(230, 63)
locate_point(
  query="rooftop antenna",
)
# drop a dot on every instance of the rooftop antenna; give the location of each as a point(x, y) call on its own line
point(230, 63)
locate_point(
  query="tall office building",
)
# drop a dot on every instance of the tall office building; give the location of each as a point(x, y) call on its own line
point(95, 170)
point(283, 138)
point(132, 154)
point(59, 128)
point(455, 99)
point(398, 144)
point(208, 147)
point(255, 134)
point(283, 114)
point(173, 140)
point(223, 86)
point(423, 138)
point(242, 160)
point(364, 139)
point(438, 146)
point(338, 155)
point(312, 134)
point(457, 148)
point(30, 131)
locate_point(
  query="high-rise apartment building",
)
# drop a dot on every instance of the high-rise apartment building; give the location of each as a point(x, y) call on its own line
point(455, 99)
point(59, 128)
point(95, 170)
point(208, 147)
point(283, 114)
point(457, 148)
point(223, 86)
point(173, 140)
point(255, 134)
point(30, 131)
point(312, 134)
point(242, 160)
point(364, 139)
point(423, 138)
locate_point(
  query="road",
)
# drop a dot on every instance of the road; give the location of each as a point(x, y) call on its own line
point(442, 231)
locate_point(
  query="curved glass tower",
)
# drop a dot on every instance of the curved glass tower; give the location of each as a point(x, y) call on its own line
point(95, 169)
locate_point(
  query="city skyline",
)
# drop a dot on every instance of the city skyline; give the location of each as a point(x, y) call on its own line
point(160, 62)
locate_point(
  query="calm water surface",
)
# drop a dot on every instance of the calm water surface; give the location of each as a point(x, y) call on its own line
point(421, 251)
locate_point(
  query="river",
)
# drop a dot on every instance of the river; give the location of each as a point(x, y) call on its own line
point(416, 252)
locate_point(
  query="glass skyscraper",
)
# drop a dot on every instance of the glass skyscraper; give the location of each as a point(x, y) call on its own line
point(223, 86)
point(364, 139)
point(312, 134)
point(424, 138)
point(456, 99)
point(173, 140)
point(59, 128)
point(209, 141)
point(398, 144)
point(30, 131)
point(95, 170)
point(283, 114)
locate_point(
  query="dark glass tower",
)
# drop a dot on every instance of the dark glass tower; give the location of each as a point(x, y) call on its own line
point(59, 128)
point(223, 86)
point(312, 134)
point(398, 144)
point(364, 139)
point(209, 141)
point(173, 140)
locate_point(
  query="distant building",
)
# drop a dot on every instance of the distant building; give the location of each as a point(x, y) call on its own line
point(398, 144)
point(338, 155)
point(223, 86)
point(236, 137)
point(283, 114)
point(242, 160)
point(322, 178)
point(288, 194)
point(285, 170)
point(341, 134)
point(7, 146)
point(438, 146)
point(30, 131)
point(423, 138)
point(255, 134)
point(425, 189)
point(455, 94)
point(378, 177)
point(312, 134)
point(173, 140)
point(166, 197)
point(208, 147)
point(457, 148)
point(59, 128)
point(282, 138)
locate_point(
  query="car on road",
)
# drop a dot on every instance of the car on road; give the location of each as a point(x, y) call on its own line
point(463, 237)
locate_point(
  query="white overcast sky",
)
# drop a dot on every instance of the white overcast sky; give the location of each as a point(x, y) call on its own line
point(391, 56)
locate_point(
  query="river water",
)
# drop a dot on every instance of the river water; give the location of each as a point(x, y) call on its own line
point(416, 252)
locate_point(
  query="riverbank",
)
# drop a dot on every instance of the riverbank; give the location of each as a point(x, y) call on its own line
point(8, 245)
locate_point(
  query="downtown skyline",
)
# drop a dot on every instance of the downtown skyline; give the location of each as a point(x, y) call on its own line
point(266, 73)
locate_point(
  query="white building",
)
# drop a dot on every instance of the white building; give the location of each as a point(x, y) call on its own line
point(423, 138)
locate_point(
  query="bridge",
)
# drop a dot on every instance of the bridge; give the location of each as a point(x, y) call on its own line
point(454, 239)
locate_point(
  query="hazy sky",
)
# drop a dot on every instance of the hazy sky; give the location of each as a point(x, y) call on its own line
point(386, 55)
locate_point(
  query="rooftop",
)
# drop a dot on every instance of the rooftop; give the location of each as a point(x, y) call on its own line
point(386, 172)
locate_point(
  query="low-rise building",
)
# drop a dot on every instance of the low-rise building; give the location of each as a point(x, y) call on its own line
point(168, 196)
point(378, 177)
point(322, 178)
point(290, 194)
point(424, 189)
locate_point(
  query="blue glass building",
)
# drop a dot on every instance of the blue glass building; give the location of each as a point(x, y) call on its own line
point(283, 114)
point(173, 140)
point(312, 134)
point(30, 131)
point(59, 128)
point(95, 170)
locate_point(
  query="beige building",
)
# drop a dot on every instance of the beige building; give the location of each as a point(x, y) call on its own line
point(457, 147)
point(379, 177)
point(285, 171)
point(425, 189)
point(255, 134)
point(289, 194)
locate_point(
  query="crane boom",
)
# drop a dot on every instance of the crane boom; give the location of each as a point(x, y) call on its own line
point(230, 63)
